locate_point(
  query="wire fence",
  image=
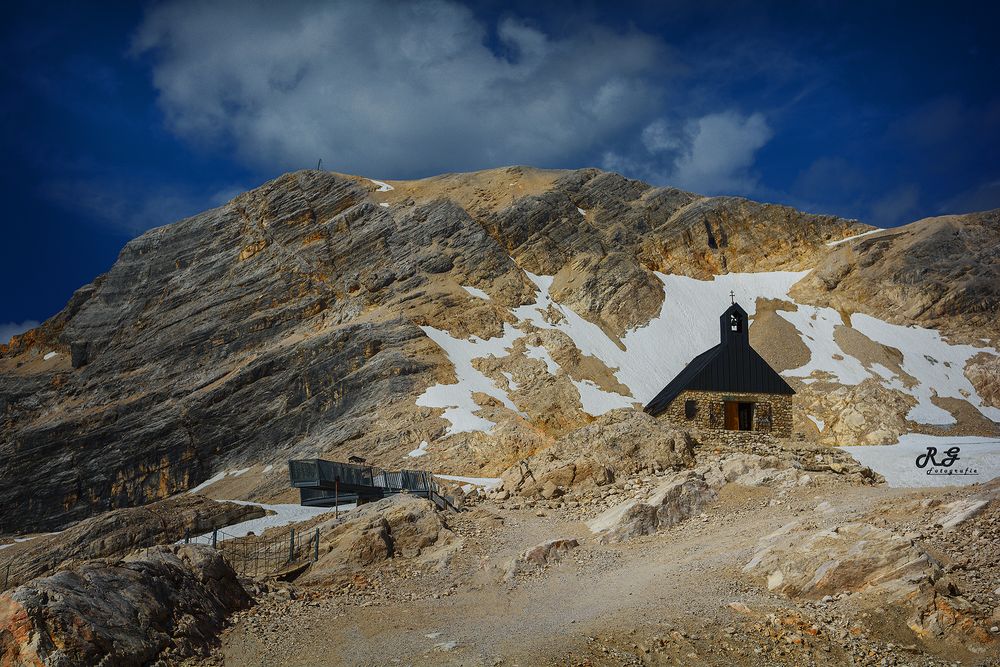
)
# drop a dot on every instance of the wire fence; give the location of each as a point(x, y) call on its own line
point(255, 556)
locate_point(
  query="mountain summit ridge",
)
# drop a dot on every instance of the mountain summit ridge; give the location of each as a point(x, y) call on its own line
point(297, 319)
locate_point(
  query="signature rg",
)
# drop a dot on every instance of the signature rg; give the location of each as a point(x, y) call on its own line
point(950, 456)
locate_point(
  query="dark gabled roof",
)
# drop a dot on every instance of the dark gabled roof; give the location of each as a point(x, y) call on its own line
point(731, 366)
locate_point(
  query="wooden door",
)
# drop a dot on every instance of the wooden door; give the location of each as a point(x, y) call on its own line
point(732, 416)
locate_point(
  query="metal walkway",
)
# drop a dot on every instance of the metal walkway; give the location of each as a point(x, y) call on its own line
point(324, 483)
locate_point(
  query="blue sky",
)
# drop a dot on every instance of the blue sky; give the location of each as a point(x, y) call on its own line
point(122, 118)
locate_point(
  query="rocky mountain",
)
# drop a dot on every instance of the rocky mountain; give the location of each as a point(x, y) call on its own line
point(474, 319)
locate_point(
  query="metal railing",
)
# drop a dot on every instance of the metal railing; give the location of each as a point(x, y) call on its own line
point(255, 556)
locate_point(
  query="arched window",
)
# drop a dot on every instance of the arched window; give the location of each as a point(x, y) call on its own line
point(735, 322)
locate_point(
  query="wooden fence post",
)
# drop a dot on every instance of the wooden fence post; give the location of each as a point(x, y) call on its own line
point(291, 545)
point(316, 548)
point(215, 537)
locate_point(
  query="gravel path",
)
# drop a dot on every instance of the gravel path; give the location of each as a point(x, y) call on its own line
point(588, 608)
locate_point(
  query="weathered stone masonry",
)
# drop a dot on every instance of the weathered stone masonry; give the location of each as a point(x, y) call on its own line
point(709, 411)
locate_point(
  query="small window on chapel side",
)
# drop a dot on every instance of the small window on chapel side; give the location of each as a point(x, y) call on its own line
point(690, 409)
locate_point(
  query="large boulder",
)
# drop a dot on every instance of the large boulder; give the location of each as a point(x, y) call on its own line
point(619, 443)
point(679, 497)
point(401, 525)
point(540, 556)
point(809, 563)
point(167, 604)
point(116, 533)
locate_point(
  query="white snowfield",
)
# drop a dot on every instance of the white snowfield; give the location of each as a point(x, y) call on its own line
point(382, 186)
point(688, 324)
point(456, 398)
point(979, 460)
point(421, 450)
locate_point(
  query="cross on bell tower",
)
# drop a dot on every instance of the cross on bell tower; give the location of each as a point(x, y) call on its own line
point(732, 297)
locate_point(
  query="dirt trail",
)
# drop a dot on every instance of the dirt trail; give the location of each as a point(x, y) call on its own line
point(685, 576)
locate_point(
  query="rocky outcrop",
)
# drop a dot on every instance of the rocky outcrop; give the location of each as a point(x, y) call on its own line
point(938, 272)
point(117, 533)
point(867, 413)
point(883, 567)
point(983, 371)
point(800, 562)
point(621, 442)
point(400, 526)
point(165, 605)
point(676, 499)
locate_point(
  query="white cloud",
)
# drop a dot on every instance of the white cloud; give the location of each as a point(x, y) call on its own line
point(720, 153)
point(709, 154)
point(394, 89)
point(8, 329)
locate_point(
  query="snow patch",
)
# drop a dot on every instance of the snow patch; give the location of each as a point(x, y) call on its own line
point(283, 515)
point(476, 292)
point(268, 468)
point(687, 325)
point(938, 367)
point(384, 204)
point(819, 422)
point(596, 401)
point(485, 482)
point(581, 211)
point(208, 482)
point(897, 463)
point(460, 408)
point(856, 236)
point(382, 186)
point(50, 355)
point(513, 386)
point(539, 352)
point(419, 451)
point(816, 327)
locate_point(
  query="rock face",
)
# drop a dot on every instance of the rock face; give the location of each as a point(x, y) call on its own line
point(168, 604)
point(117, 533)
point(397, 526)
point(940, 272)
point(296, 320)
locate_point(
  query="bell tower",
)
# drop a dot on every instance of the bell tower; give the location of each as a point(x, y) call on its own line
point(734, 325)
